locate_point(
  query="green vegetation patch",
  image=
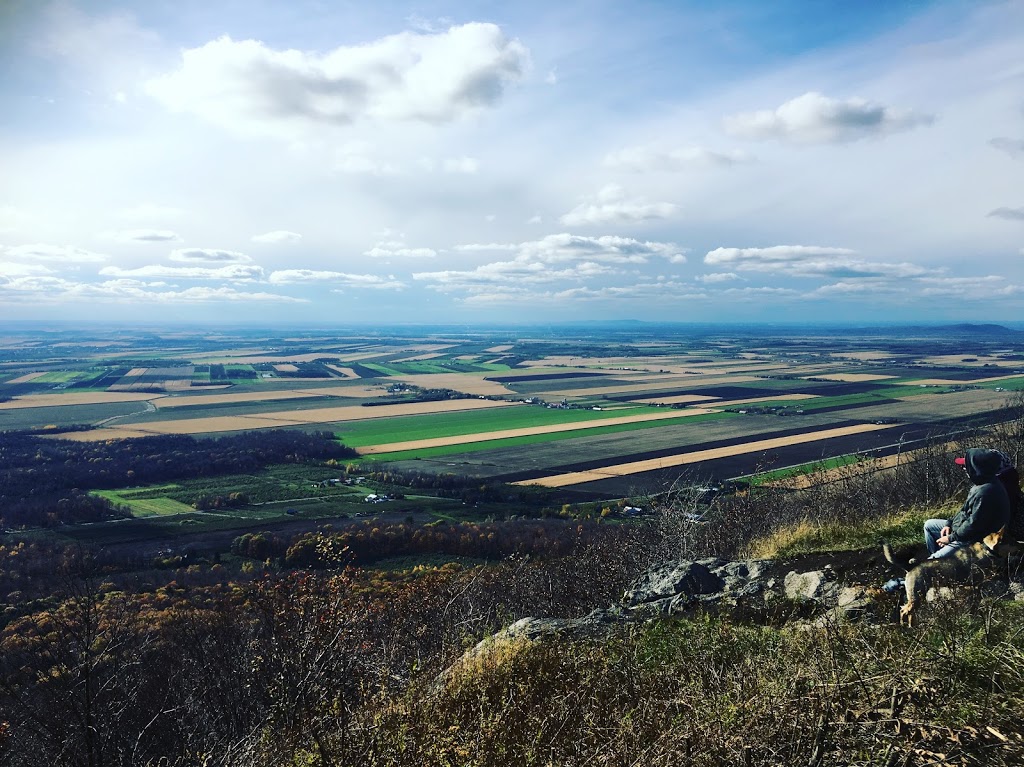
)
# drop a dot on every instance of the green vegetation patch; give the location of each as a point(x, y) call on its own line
point(810, 536)
point(146, 507)
point(533, 439)
point(381, 431)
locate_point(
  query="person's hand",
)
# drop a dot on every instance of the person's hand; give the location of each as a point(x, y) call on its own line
point(944, 532)
point(943, 540)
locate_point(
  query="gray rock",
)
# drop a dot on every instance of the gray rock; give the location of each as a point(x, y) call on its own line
point(685, 577)
point(816, 585)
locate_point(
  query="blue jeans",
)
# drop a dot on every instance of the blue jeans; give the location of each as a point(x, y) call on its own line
point(932, 532)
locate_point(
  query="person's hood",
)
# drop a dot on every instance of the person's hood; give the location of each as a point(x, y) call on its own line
point(982, 464)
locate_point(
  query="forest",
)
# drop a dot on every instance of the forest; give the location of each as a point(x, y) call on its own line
point(45, 482)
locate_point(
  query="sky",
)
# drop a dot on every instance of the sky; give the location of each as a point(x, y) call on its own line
point(337, 162)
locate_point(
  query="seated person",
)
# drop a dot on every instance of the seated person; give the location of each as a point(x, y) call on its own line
point(986, 510)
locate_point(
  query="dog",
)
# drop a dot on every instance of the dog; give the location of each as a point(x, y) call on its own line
point(957, 566)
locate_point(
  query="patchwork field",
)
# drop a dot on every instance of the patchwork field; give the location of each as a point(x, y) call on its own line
point(487, 436)
point(683, 459)
point(596, 410)
point(283, 418)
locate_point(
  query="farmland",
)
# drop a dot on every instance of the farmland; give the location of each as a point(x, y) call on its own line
point(602, 413)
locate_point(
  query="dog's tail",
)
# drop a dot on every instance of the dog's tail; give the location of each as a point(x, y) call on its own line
point(891, 559)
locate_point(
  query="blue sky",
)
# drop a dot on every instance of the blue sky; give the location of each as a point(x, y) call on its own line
point(318, 161)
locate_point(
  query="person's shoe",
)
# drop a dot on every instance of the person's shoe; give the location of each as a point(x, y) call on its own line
point(893, 585)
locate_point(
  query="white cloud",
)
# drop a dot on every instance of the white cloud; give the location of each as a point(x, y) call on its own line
point(648, 158)
point(208, 256)
point(612, 206)
point(814, 119)
point(233, 273)
point(608, 248)
point(12, 269)
point(717, 277)
point(810, 261)
point(247, 86)
point(56, 290)
point(1010, 214)
point(146, 235)
point(1012, 146)
point(59, 253)
point(277, 237)
point(397, 249)
point(293, 276)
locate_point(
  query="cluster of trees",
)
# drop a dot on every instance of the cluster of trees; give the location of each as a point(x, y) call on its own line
point(43, 481)
point(371, 541)
point(105, 673)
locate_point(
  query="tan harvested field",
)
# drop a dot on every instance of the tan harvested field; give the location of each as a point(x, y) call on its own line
point(498, 349)
point(851, 377)
point(286, 367)
point(683, 381)
point(683, 459)
point(26, 378)
point(949, 382)
point(137, 372)
point(286, 418)
point(347, 372)
point(269, 396)
point(466, 439)
point(82, 398)
point(467, 383)
point(957, 360)
point(681, 399)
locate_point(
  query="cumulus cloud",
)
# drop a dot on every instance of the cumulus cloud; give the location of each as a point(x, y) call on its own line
point(817, 119)
point(146, 235)
point(1012, 146)
point(980, 288)
point(519, 272)
point(208, 256)
point(434, 77)
point(233, 273)
point(717, 277)
point(13, 269)
point(59, 253)
point(398, 249)
point(293, 276)
point(612, 206)
point(608, 248)
point(810, 261)
point(276, 237)
point(668, 292)
point(647, 158)
point(57, 290)
point(1011, 214)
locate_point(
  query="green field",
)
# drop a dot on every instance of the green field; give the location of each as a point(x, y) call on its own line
point(533, 439)
point(381, 431)
point(146, 507)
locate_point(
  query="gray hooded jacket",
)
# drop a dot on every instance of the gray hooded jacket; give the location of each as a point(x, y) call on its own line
point(987, 508)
